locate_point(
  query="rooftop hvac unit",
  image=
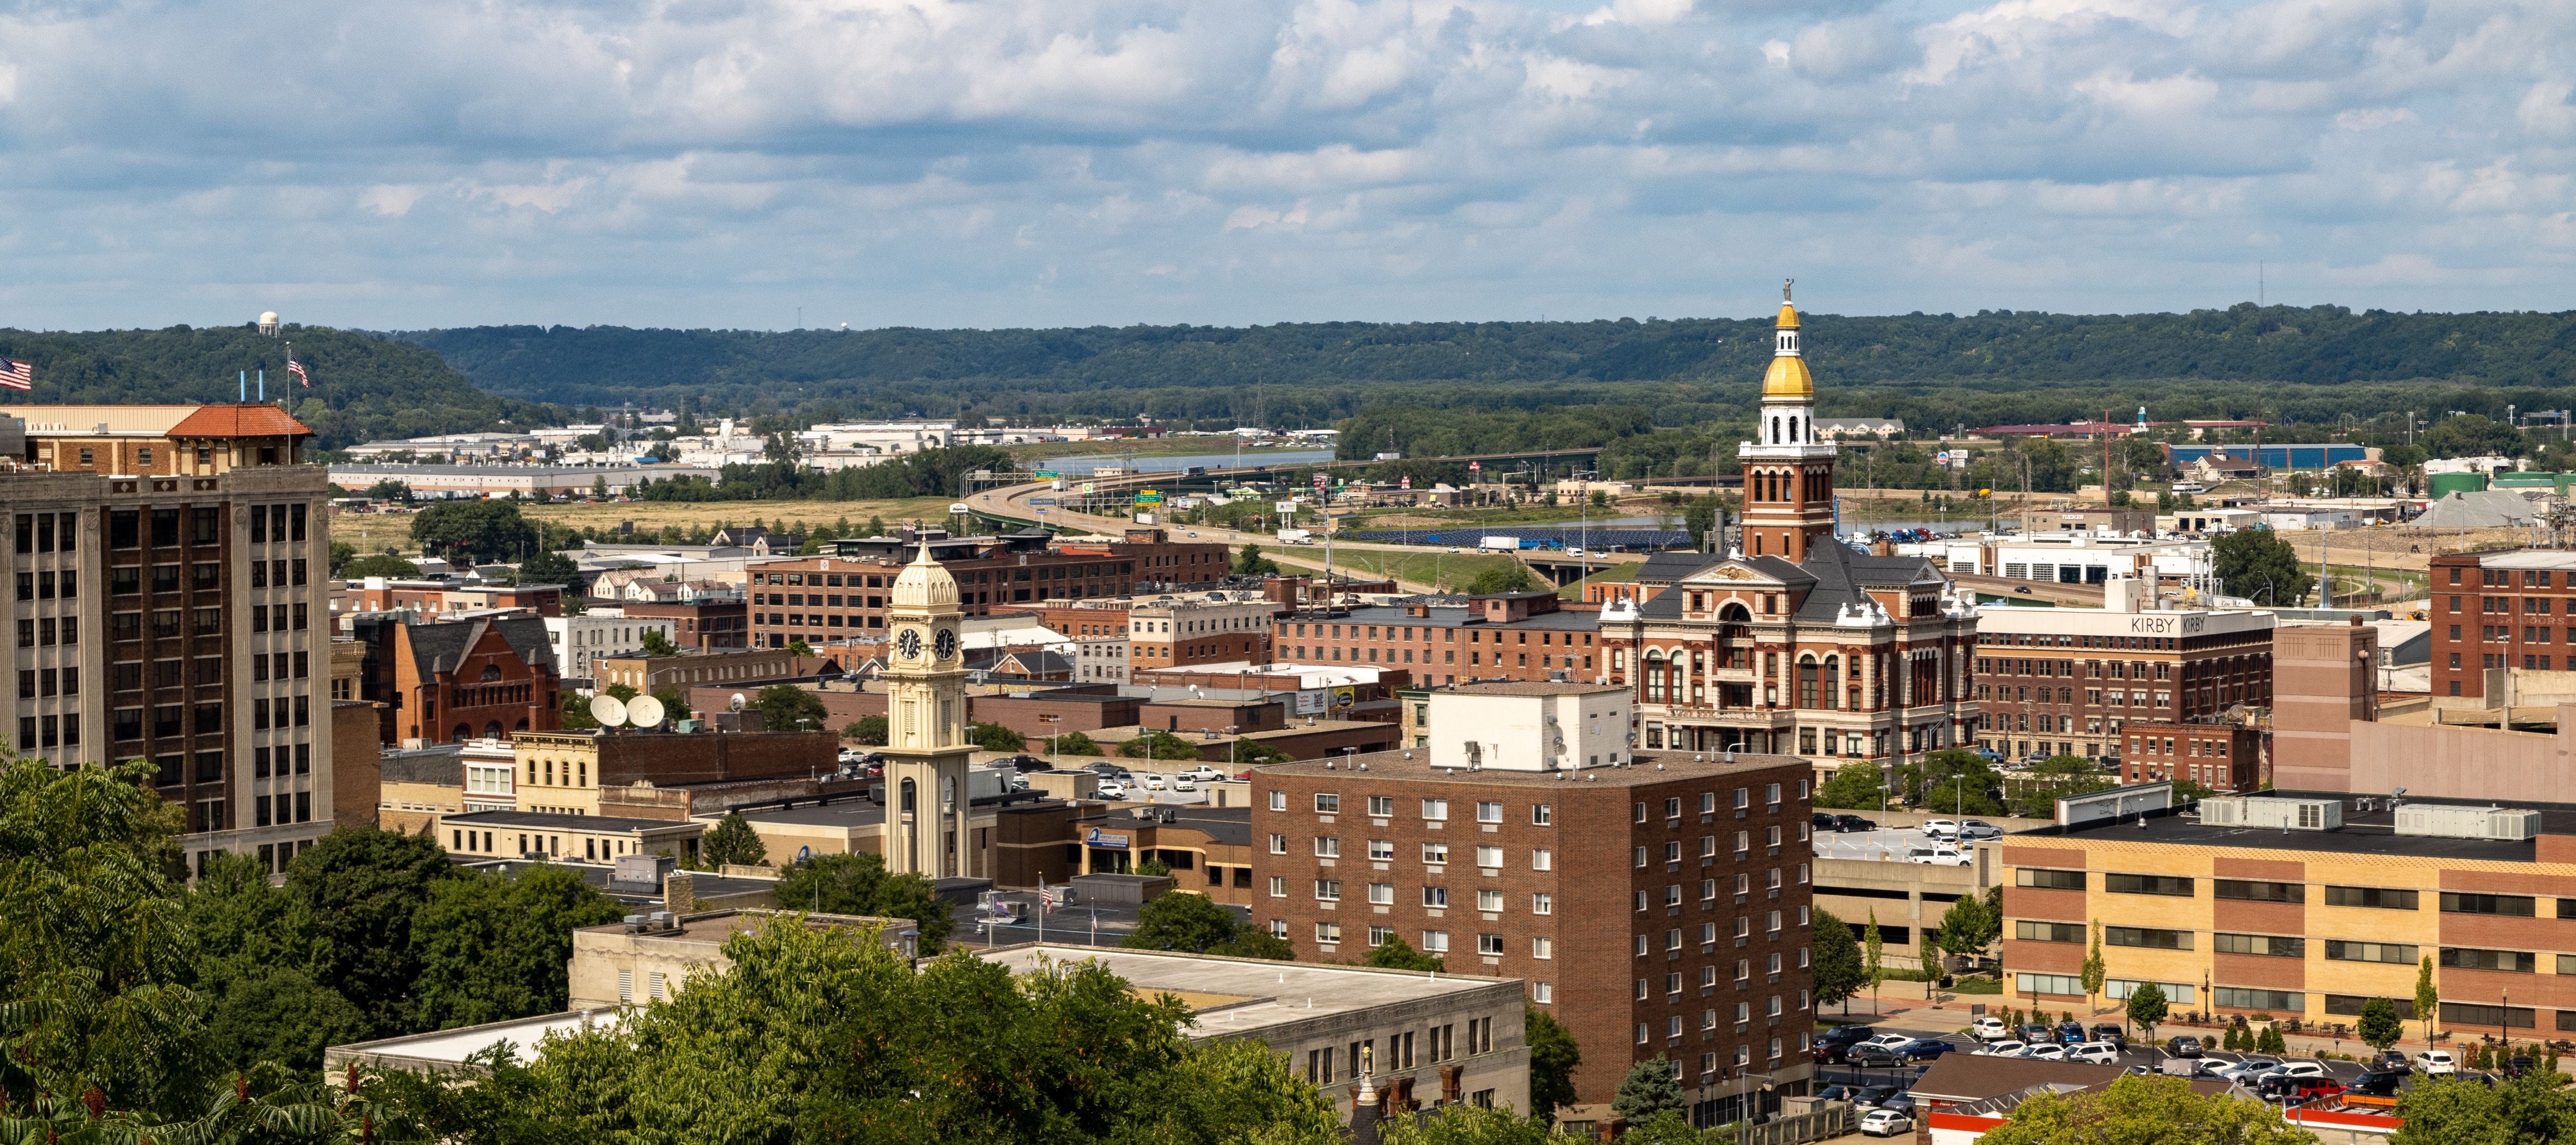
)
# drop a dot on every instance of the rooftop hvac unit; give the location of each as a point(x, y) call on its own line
point(2450, 822)
point(2290, 814)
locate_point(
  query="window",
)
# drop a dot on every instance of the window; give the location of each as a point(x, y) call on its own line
point(2456, 902)
point(1327, 804)
point(1279, 844)
point(2377, 898)
point(1489, 856)
point(2048, 984)
point(1542, 904)
point(2258, 891)
point(1381, 894)
point(2152, 939)
point(1542, 859)
point(2265, 944)
point(1435, 809)
point(2508, 961)
point(1381, 805)
point(1279, 886)
point(2147, 885)
point(2052, 880)
point(2029, 931)
point(1541, 815)
point(1382, 850)
point(1328, 890)
point(2394, 953)
point(2468, 1014)
point(2246, 998)
point(1435, 897)
point(1328, 932)
point(1328, 846)
point(2349, 1005)
point(1489, 901)
point(1278, 800)
point(1489, 813)
point(1378, 936)
point(1435, 942)
point(1435, 853)
point(1489, 944)
point(1542, 948)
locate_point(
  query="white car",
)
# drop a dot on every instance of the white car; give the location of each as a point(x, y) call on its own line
point(1885, 1041)
point(1941, 828)
point(2095, 1053)
point(1979, 829)
point(2246, 1068)
point(2294, 1069)
point(2437, 1062)
point(2049, 1053)
point(1940, 855)
point(2007, 1048)
point(1202, 774)
point(1109, 789)
point(1183, 782)
point(1885, 1123)
point(1153, 783)
point(1989, 1029)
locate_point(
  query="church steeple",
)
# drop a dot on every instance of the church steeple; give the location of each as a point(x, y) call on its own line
point(1788, 467)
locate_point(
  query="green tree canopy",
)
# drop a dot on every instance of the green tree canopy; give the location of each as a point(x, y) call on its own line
point(1553, 1058)
point(379, 565)
point(1854, 785)
point(1838, 971)
point(2258, 565)
point(733, 842)
point(1178, 920)
point(995, 737)
point(788, 708)
point(656, 644)
point(492, 947)
point(481, 530)
point(1968, 928)
point(1248, 561)
point(1513, 577)
point(546, 566)
point(1397, 954)
point(2536, 1109)
point(2147, 1008)
point(2158, 1109)
point(870, 731)
point(859, 884)
point(1648, 1090)
point(2037, 790)
point(360, 890)
point(2380, 1027)
point(2474, 435)
point(1159, 744)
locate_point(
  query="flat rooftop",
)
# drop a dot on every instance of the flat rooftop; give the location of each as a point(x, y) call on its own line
point(1648, 768)
point(450, 1048)
point(1250, 996)
point(1532, 688)
point(2372, 832)
point(594, 824)
point(716, 928)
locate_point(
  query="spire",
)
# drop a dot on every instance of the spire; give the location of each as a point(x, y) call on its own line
point(1788, 378)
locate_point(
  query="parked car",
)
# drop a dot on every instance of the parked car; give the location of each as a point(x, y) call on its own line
point(1871, 1096)
point(1201, 774)
point(1024, 763)
point(1154, 781)
point(1900, 1101)
point(2291, 1090)
point(2070, 1033)
point(1989, 1029)
point(1938, 855)
point(1821, 821)
point(1885, 1123)
point(1979, 829)
point(1183, 782)
point(2007, 1048)
point(1847, 1035)
point(2379, 1082)
point(1888, 1041)
point(2035, 1032)
point(2108, 1032)
point(1941, 828)
point(2051, 1052)
point(1845, 824)
point(1109, 789)
point(2248, 1068)
point(2389, 1059)
point(2437, 1063)
point(2094, 1053)
point(1925, 1049)
point(2184, 1046)
point(2298, 1069)
point(1834, 1093)
point(1869, 1054)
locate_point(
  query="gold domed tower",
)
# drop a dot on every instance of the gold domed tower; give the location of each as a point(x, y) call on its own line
point(1788, 466)
point(926, 747)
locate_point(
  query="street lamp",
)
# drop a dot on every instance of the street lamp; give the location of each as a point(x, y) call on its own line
point(1746, 1120)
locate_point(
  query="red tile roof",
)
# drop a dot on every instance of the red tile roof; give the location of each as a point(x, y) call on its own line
point(249, 420)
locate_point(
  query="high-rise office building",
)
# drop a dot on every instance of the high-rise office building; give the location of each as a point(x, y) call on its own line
point(168, 566)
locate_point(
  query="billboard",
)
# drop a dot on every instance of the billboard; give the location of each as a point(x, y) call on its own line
point(1310, 701)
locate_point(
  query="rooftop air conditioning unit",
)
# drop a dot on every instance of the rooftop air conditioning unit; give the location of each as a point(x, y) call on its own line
point(2289, 814)
point(2454, 822)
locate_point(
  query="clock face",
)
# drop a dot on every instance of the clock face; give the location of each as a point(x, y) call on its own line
point(945, 644)
point(909, 643)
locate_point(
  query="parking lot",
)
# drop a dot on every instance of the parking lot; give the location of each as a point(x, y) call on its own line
point(2151, 1058)
point(1887, 844)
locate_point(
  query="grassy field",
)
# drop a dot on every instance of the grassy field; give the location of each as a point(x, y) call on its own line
point(375, 532)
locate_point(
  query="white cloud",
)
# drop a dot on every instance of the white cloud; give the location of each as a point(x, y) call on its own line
point(948, 162)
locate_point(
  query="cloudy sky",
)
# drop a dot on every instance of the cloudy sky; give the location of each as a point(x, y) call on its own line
point(399, 164)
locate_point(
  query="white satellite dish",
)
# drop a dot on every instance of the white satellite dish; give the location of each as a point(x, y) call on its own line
point(608, 710)
point(738, 701)
point(645, 712)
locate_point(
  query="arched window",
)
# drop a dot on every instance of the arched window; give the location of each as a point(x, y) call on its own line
point(492, 730)
point(523, 726)
point(1833, 680)
point(1775, 430)
point(1654, 676)
point(1735, 613)
point(1807, 682)
point(462, 733)
point(491, 672)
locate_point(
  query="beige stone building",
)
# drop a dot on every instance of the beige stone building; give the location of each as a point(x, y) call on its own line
point(650, 960)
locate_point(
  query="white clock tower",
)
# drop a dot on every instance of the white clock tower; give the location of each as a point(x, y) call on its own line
point(926, 747)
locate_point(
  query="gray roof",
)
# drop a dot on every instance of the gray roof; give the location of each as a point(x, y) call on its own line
point(439, 645)
point(2486, 509)
point(1672, 565)
point(1445, 617)
point(1833, 577)
point(442, 764)
point(2370, 832)
point(593, 824)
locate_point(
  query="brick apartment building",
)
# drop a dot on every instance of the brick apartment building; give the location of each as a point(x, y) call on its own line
point(2067, 681)
point(992, 574)
point(2504, 610)
point(703, 625)
point(1445, 639)
point(169, 573)
point(1490, 851)
point(452, 681)
point(434, 599)
point(2222, 754)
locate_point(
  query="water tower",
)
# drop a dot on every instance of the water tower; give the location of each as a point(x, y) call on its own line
point(268, 323)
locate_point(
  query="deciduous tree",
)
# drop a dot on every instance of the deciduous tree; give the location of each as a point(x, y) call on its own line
point(732, 842)
point(1553, 1058)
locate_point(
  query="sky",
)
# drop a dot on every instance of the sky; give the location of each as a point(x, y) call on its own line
point(761, 163)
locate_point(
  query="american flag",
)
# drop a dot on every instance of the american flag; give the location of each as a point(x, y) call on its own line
point(297, 368)
point(17, 375)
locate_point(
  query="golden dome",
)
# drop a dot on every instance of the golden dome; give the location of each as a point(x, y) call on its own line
point(925, 584)
point(1788, 316)
point(1788, 379)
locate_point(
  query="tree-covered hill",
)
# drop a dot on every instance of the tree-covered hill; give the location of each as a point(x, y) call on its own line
point(2312, 364)
point(365, 386)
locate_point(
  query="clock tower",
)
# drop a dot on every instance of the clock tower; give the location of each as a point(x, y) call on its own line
point(926, 748)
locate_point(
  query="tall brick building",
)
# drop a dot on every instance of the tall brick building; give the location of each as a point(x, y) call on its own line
point(1492, 845)
point(2070, 681)
point(169, 566)
point(2509, 611)
point(991, 573)
point(456, 680)
point(1446, 639)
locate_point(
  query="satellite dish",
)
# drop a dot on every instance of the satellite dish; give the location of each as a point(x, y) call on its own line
point(608, 710)
point(737, 702)
point(645, 712)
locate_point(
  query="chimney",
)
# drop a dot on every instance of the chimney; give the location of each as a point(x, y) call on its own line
point(679, 892)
